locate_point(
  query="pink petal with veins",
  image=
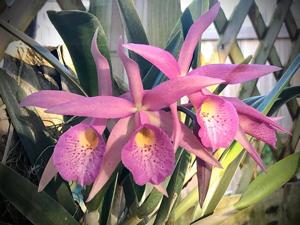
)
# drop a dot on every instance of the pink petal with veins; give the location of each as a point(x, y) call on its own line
point(149, 155)
point(218, 122)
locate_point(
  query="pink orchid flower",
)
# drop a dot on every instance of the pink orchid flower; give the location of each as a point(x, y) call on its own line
point(221, 119)
point(141, 138)
point(79, 151)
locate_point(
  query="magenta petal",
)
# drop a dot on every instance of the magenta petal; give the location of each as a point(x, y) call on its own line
point(102, 66)
point(260, 131)
point(245, 109)
point(78, 154)
point(160, 58)
point(170, 91)
point(48, 99)
point(218, 122)
point(234, 73)
point(98, 124)
point(149, 155)
point(193, 36)
point(97, 107)
point(191, 144)
point(134, 77)
point(242, 139)
point(118, 137)
point(176, 136)
point(49, 172)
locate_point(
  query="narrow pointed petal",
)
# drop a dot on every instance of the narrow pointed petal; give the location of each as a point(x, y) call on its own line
point(242, 139)
point(176, 135)
point(203, 177)
point(234, 73)
point(188, 140)
point(48, 174)
point(193, 36)
point(97, 107)
point(170, 91)
point(78, 154)
point(218, 122)
point(191, 144)
point(134, 77)
point(118, 137)
point(160, 58)
point(260, 131)
point(103, 70)
point(245, 109)
point(161, 189)
point(48, 99)
point(149, 155)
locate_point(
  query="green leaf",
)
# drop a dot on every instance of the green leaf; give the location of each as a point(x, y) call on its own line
point(269, 100)
point(78, 41)
point(45, 53)
point(28, 124)
point(37, 207)
point(286, 95)
point(174, 188)
point(108, 202)
point(135, 32)
point(266, 183)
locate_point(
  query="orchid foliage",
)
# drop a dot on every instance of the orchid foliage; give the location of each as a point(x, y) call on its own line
point(147, 132)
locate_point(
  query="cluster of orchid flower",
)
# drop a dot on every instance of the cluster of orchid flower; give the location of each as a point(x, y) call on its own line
point(146, 135)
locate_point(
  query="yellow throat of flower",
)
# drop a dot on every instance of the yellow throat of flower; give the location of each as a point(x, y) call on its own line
point(144, 137)
point(89, 138)
point(208, 106)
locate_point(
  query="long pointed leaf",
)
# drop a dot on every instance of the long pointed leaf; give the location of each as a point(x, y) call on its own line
point(134, 31)
point(39, 208)
point(45, 53)
point(266, 183)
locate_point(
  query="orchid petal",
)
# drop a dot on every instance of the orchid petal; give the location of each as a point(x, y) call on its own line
point(134, 77)
point(118, 137)
point(203, 177)
point(149, 155)
point(260, 131)
point(98, 124)
point(49, 172)
point(78, 154)
point(218, 122)
point(234, 73)
point(170, 91)
point(160, 58)
point(242, 139)
point(176, 135)
point(193, 36)
point(102, 66)
point(188, 140)
point(49, 98)
point(191, 144)
point(245, 109)
point(97, 107)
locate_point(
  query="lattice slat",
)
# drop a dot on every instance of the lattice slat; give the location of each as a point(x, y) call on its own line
point(233, 27)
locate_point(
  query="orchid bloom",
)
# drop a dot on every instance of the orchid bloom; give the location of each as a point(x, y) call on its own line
point(79, 151)
point(141, 138)
point(220, 119)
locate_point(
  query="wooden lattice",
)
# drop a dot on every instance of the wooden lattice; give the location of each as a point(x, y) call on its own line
point(266, 51)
